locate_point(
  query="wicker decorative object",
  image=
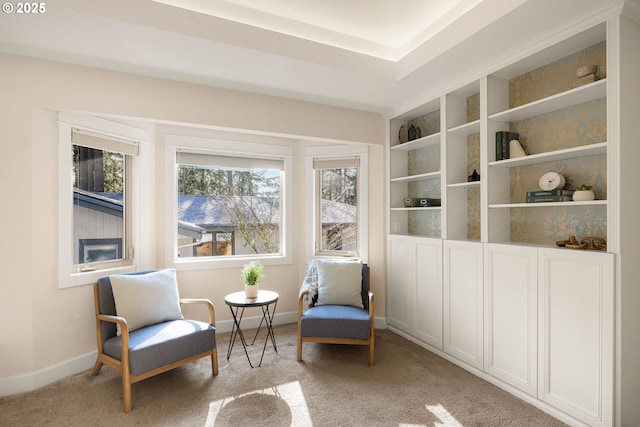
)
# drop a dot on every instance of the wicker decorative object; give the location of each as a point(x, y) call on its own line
point(589, 243)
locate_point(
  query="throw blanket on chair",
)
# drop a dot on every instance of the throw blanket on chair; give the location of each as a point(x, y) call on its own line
point(310, 281)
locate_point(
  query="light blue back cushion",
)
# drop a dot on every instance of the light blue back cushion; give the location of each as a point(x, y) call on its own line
point(146, 299)
point(364, 292)
point(339, 283)
point(107, 303)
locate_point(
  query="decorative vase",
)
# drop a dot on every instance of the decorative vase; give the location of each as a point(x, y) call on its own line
point(409, 133)
point(583, 195)
point(251, 291)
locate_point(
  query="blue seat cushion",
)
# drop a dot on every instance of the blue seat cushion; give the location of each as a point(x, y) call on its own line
point(158, 345)
point(335, 321)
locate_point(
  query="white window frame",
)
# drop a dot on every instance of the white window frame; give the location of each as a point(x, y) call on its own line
point(312, 215)
point(67, 275)
point(176, 143)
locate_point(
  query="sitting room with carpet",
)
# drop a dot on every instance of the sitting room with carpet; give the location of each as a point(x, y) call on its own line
point(320, 213)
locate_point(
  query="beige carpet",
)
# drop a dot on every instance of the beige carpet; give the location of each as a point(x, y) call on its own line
point(334, 386)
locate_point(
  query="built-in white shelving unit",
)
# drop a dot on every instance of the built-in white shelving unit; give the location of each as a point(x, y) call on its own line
point(484, 226)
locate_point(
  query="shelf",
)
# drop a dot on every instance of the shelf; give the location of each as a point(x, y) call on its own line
point(464, 184)
point(418, 208)
point(566, 154)
point(481, 209)
point(466, 129)
point(427, 236)
point(425, 141)
point(419, 177)
point(549, 204)
point(559, 101)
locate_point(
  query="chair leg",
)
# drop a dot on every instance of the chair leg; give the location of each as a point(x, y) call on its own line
point(214, 361)
point(299, 342)
point(96, 368)
point(126, 393)
point(372, 356)
point(372, 349)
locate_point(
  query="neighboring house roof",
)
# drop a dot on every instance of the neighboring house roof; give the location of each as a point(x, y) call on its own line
point(338, 213)
point(190, 230)
point(109, 203)
point(198, 213)
point(210, 211)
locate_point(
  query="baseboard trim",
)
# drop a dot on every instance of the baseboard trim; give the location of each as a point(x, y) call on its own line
point(33, 381)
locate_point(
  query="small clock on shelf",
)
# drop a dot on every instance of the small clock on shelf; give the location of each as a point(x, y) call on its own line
point(551, 181)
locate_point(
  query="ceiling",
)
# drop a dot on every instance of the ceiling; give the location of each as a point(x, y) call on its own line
point(380, 28)
point(365, 54)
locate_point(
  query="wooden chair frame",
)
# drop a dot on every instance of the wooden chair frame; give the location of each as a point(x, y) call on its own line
point(330, 340)
point(122, 365)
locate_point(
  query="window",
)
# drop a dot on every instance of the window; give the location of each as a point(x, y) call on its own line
point(99, 162)
point(101, 169)
point(229, 206)
point(336, 206)
point(96, 250)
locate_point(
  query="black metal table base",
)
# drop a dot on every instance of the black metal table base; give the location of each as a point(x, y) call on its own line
point(236, 330)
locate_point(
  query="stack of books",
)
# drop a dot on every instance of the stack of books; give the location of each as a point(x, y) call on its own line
point(549, 196)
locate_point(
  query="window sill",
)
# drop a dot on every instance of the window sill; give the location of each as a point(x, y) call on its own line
point(228, 262)
point(90, 277)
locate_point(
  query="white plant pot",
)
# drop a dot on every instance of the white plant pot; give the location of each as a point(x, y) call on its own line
point(251, 291)
point(583, 195)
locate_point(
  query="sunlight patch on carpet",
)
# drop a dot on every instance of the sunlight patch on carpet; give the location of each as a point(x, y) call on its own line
point(274, 406)
point(447, 419)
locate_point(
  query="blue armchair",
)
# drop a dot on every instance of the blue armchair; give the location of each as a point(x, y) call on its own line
point(340, 306)
point(140, 347)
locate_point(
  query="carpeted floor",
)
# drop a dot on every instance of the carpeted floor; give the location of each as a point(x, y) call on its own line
point(334, 386)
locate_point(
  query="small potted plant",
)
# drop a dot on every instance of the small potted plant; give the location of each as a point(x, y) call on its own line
point(583, 193)
point(251, 276)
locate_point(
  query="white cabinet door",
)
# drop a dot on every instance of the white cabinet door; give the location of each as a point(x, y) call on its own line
point(427, 259)
point(463, 301)
point(414, 287)
point(399, 281)
point(576, 322)
point(511, 313)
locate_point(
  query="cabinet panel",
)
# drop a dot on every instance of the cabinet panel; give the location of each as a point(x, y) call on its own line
point(576, 333)
point(414, 290)
point(399, 276)
point(428, 291)
point(463, 298)
point(511, 284)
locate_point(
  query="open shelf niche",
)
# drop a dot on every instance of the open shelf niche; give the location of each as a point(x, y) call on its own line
point(416, 173)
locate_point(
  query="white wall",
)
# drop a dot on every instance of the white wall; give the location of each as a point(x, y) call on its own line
point(47, 330)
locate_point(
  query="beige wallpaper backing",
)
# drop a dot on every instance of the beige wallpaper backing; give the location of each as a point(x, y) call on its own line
point(571, 127)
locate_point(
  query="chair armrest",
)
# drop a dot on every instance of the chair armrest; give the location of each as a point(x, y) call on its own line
point(370, 304)
point(124, 327)
point(209, 304)
point(303, 293)
point(124, 334)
